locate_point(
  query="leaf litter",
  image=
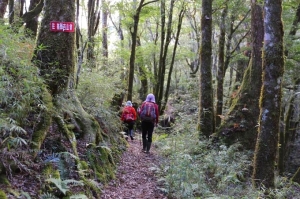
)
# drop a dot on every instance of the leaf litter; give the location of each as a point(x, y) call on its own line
point(136, 175)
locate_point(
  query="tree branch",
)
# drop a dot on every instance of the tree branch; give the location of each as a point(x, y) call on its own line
point(34, 12)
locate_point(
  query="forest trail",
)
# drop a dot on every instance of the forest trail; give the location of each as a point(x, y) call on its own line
point(135, 178)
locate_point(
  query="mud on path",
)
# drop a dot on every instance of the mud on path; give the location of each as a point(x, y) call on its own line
point(135, 177)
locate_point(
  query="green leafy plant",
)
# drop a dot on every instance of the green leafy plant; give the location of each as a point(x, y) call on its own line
point(194, 169)
point(48, 196)
point(79, 196)
point(64, 185)
point(64, 161)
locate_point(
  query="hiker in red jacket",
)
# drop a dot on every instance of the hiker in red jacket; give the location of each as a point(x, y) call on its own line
point(149, 115)
point(129, 117)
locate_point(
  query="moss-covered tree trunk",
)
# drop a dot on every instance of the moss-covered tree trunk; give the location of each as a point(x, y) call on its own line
point(54, 53)
point(271, 94)
point(242, 118)
point(206, 110)
point(221, 72)
point(55, 57)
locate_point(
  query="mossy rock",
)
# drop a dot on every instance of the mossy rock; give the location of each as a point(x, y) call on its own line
point(2, 195)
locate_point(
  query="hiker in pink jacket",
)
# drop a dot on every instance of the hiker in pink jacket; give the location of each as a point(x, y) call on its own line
point(149, 115)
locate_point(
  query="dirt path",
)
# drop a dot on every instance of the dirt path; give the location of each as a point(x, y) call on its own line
point(135, 178)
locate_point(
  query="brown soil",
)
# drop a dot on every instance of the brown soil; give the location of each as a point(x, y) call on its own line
point(135, 178)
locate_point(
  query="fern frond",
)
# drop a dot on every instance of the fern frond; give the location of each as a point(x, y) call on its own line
point(65, 154)
point(11, 121)
point(80, 196)
point(106, 147)
point(59, 184)
point(73, 182)
point(48, 196)
point(18, 130)
point(62, 185)
point(26, 195)
point(54, 157)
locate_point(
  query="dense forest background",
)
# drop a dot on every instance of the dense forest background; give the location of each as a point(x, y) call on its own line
point(225, 75)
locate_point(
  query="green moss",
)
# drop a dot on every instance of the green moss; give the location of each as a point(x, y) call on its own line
point(41, 130)
point(91, 187)
point(101, 161)
point(2, 195)
point(90, 129)
point(50, 172)
point(4, 180)
point(83, 165)
point(71, 126)
point(101, 177)
point(68, 134)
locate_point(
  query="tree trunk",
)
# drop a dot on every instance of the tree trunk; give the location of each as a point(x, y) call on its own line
point(195, 36)
point(159, 84)
point(143, 91)
point(270, 102)
point(206, 110)
point(241, 120)
point(93, 22)
point(166, 96)
point(54, 56)
point(3, 6)
point(221, 72)
point(295, 22)
point(288, 135)
point(163, 56)
point(225, 63)
point(133, 32)
point(296, 177)
point(54, 50)
point(11, 12)
point(104, 33)
point(240, 70)
point(32, 24)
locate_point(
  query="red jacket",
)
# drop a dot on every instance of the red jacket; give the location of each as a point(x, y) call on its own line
point(156, 110)
point(126, 110)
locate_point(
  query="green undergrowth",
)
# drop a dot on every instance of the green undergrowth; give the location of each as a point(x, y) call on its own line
point(197, 168)
point(200, 168)
point(70, 164)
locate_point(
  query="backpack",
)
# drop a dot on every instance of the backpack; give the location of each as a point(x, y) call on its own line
point(128, 115)
point(148, 112)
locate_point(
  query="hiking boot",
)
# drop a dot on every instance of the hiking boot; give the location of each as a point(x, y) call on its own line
point(131, 137)
point(148, 147)
point(144, 145)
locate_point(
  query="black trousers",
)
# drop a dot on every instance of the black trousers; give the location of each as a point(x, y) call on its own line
point(129, 127)
point(147, 130)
